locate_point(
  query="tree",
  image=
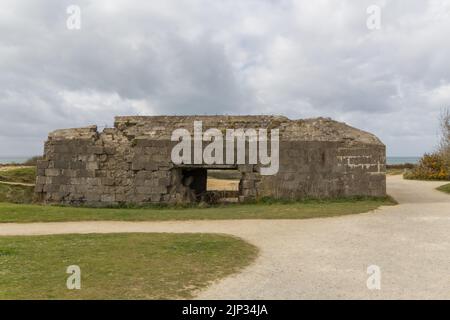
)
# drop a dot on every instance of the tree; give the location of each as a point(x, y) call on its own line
point(436, 165)
point(444, 145)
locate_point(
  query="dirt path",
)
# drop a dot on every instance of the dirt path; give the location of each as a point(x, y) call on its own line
point(17, 183)
point(323, 258)
point(8, 167)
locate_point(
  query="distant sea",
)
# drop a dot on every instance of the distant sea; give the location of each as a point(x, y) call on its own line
point(400, 160)
point(4, 160)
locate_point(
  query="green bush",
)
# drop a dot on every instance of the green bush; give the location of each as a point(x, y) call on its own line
point(432, 166)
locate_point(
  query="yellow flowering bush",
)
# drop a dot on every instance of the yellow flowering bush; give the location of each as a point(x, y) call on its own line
point(432, 166)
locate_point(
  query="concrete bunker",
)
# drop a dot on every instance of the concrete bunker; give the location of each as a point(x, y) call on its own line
point(131, 163)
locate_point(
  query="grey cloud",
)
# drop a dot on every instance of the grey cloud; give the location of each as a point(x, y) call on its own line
point(297, 58)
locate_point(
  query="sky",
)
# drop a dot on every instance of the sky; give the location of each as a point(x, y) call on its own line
point(300, 59)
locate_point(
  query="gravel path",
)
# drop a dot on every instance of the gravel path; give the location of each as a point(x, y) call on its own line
point(323, 258)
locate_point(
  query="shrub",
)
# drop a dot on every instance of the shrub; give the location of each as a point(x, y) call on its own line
point(32, 161)
point(444, 145)
point(432, 166)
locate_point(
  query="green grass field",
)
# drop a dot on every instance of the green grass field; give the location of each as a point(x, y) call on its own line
point(445, 188)
point(118, 266)
point(10, 212)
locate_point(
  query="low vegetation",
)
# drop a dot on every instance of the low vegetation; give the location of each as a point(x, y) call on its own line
point(436, 165)
point(445, 188)
point(16, 193)
point(157, 266)
point(397, 169)
point(306, 209)
point(18, 174)
point(16, 184)
point(431, 167)
point(32, 161)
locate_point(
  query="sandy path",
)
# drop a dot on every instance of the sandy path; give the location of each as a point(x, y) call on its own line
point(7, 167)
point(17, 183)
point(323, 258)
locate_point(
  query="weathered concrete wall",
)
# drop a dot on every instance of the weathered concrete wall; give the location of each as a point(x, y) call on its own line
point(131, 163)
point(327, 169)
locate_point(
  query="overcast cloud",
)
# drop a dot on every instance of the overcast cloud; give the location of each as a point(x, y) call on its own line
point(297, 58)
